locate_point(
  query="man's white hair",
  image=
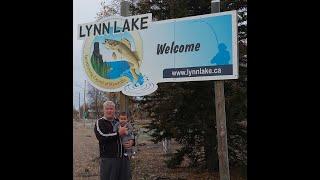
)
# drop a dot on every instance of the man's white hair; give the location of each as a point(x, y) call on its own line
point(108, 103)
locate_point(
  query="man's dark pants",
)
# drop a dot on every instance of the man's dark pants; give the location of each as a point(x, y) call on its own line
point(115, 169)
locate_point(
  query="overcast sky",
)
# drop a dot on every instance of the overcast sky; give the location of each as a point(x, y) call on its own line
point(84, 11)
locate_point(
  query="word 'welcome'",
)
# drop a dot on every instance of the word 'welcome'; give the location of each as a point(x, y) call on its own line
point(164, 48)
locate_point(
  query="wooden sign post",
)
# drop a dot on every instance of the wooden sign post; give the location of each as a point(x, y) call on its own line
point(221, 117)
point(124, 11)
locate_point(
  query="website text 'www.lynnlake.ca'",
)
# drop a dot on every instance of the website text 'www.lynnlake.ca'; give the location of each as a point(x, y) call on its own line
point(195, 72)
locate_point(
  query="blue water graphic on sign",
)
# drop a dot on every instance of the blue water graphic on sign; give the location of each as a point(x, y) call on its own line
point(121, 68)
point(117, 69)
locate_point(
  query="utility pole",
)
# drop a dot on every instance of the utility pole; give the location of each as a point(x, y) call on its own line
point(79, 108)
point(221, 117)
point(84, 104)
point(96, 90)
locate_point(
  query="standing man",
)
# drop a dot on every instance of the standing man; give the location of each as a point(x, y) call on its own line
point(113, 164)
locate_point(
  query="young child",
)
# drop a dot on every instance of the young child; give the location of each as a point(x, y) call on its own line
point(123, 122)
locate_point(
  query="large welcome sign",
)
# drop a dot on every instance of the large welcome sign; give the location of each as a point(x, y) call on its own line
point(133, 54)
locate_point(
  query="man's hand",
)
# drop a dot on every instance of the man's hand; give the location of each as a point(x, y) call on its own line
point(123, 131)
point(128, 144)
